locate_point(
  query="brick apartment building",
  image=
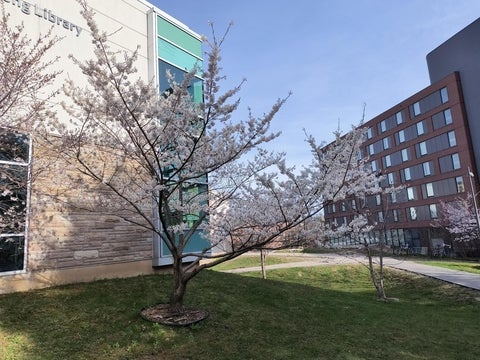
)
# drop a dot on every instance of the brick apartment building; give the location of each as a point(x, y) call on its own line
point(427, 144)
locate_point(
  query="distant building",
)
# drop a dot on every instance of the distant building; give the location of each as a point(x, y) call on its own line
point(425, 144)
point(81, 246)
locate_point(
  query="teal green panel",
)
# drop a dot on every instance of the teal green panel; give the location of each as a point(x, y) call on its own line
point(198, 92)
point(179, 37)
point(176, 56)
point(197, 243)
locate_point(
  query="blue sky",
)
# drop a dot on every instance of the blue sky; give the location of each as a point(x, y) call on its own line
point(333, 55)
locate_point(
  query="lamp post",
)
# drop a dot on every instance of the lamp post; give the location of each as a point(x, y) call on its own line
point(470, 176)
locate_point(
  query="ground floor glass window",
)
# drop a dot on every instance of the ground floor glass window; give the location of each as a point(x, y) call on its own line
point(14, 172)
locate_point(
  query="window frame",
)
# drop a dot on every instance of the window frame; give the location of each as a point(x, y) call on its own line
point(25, 164)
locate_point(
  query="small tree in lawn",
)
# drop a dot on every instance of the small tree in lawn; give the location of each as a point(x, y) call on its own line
point(363, 185)
point(459, 219)
point(25, 75)
point(139, 148)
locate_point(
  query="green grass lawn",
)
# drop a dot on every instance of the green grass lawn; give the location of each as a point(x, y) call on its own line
point(327, 312)
point(468, 266)
point(251, 260)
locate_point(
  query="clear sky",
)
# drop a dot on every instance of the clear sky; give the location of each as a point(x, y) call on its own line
point(334, 56)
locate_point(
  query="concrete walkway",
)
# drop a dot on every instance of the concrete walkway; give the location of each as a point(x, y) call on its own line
point(452, 276)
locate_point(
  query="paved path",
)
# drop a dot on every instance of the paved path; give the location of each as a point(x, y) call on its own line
point(452, 276)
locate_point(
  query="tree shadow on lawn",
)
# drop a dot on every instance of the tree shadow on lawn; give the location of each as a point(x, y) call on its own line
point(306, 313)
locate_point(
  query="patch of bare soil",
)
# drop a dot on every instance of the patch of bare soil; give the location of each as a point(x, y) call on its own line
point(163, 314)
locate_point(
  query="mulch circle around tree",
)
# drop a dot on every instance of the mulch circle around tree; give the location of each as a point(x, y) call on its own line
point(162, 314)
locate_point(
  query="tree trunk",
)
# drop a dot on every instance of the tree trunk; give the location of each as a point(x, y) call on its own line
point(179, 287)
point(378, 283)
point(263, 260)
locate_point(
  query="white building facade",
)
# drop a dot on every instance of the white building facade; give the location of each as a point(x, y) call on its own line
point(69, 247)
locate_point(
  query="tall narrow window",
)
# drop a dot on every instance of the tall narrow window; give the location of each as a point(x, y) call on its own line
point(388, 161)
point(416, 109)
point(386, 143)
point(380, 216)
point(401, 136)
point(406, 174)
point(420, 128)
point(460, 184)
point(429, 189)
point(399, 117)
point(444, 95)
point(433, 211)
point(390, 179)
point(393, 197)
point(371, 149)
point(378, 199)
point(383, 126)
point(14, 166)
point(369, 133)
point(423, 148)
point(448, 117)
point(455, 161)
point(374, 165)
point(395, 215)
point(412, 213)
point(411, 193)
point(426, 169)
point(405, 155)
point(451, 138)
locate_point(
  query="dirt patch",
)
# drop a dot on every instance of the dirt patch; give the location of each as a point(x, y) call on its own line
point(163, 314)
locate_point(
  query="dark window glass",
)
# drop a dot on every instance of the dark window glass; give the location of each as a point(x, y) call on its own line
point(14, 160)
point(11, 253)
point(195, 88)
point(13, 147)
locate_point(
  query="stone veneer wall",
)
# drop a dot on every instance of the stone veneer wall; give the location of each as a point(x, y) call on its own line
point(68, 243)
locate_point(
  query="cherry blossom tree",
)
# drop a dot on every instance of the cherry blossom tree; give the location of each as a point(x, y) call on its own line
point(367, 200)
point(25, 76)
point(199, 164)
point(459, 219)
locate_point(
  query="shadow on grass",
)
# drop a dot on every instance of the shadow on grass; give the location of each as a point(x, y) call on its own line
point(302, 313)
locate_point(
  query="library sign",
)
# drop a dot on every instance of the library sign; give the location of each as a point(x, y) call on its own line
point(45, 14)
